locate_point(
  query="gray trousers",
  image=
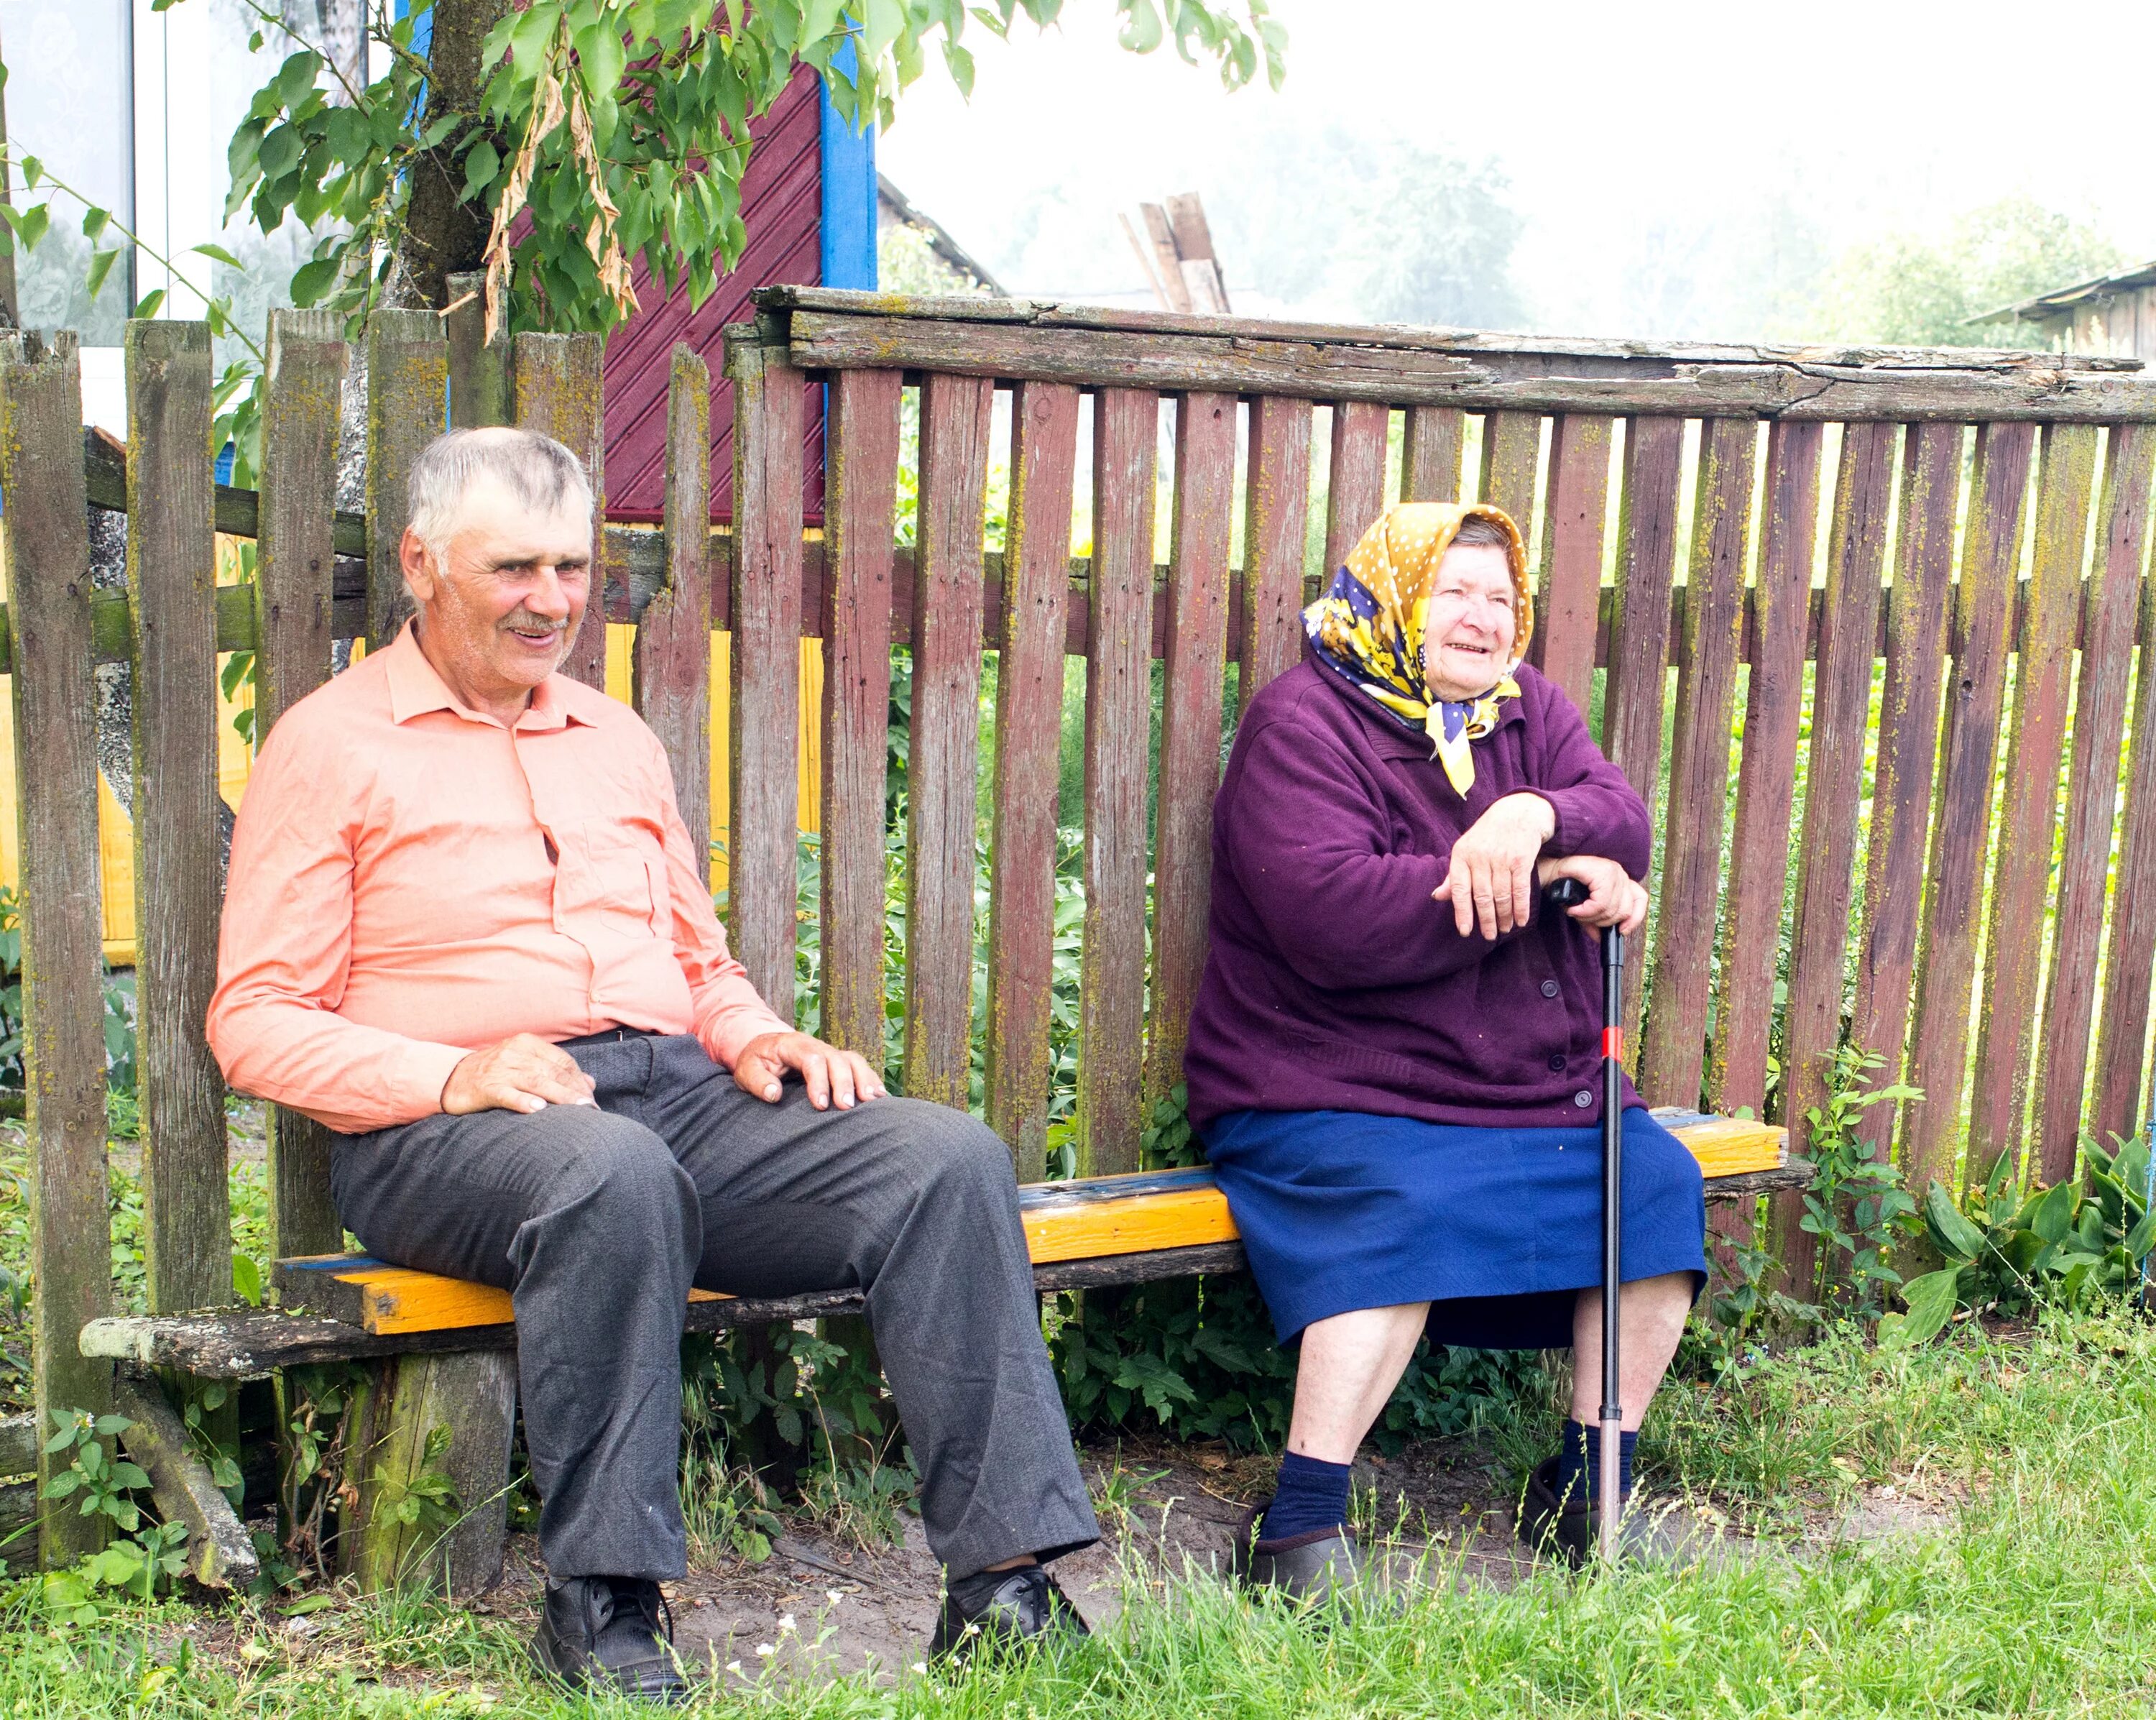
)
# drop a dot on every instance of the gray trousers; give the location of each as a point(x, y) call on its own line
point(598, 1221)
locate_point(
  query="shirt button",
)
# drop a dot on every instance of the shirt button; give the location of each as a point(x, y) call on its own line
point(1557, 1059)
point(1549, 988)
point(1582, 1098)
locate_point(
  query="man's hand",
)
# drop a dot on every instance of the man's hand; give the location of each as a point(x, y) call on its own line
point(523, 1073)
point(1613, 899)
point(829, 1073)
point(1492, 880)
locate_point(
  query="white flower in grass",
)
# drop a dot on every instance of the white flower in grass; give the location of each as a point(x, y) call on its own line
point(920, 1666)
point(833, 1596)
point(766, 1650)
point(734, 1667)
point(786, 1624)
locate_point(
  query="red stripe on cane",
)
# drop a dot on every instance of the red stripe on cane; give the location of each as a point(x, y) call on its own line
point(1613, 1042)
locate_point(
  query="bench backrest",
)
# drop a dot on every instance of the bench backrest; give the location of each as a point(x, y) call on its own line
point(1868, 573)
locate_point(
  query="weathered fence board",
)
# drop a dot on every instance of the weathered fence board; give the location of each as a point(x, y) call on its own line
point(860, 492)
point(2131, 947)
point(1982, 640)
point(2043, 680)
point(1028, 757)
point(1483, 373)
point(1190, 718)
point(172, 581)
point(293, 590)
point(942, 762)
point(1568, 606)
point(1277, 502)
point(1111, 977)
point(1429, 454)
point(1766, 780)
point(670, 669)
point(1671, 1057)
point(1841, 690)
point(1640, 638)
point(45, 528)
point(556, 379)
point(1908, 746)
point(1511, 450)
point(765, 613)
point(408, 380)
point(480, 392)
point(2100, 696)
point(1355, 495)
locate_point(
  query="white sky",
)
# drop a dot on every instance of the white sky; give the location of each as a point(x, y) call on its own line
point(1607, 119)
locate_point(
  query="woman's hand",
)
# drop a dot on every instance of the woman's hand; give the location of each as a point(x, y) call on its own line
point(1492, 883)
point(1613, 898)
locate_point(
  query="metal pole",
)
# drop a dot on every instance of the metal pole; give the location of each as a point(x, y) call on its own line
point(1613, 1227)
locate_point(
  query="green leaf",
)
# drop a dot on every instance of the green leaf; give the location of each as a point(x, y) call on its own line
point(246, 1278)
point(960, 64)
point(149, 304)
point(2142, 1236)
point(109, 1425)
point(2054, 1214)
point(1141, 31)
point(218, 254)
point(33, 170)
point(312, 279)
point(600, 58)
point(1953, 1231)
point(482, 163)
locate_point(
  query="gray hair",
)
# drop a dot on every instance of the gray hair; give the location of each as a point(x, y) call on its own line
point(537, 470)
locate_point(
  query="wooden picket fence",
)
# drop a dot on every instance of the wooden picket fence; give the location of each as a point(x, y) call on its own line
point(1923, 830)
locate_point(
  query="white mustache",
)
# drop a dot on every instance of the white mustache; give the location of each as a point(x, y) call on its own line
point(533, 623)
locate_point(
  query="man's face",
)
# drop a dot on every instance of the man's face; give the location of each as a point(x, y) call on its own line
point(501, 610)
point(1469, 627)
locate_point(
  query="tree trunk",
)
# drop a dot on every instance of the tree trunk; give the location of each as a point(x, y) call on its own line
point(444, 235)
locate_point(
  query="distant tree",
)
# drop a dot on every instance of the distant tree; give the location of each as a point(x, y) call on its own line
point(1381, 230)
point(1910, 291)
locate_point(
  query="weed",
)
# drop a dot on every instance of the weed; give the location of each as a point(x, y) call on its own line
point(1856, 1203)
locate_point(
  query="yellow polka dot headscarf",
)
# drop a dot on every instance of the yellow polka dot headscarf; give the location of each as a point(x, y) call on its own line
point(1368, 626)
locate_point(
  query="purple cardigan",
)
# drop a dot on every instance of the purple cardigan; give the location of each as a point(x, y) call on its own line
point(1333, 982)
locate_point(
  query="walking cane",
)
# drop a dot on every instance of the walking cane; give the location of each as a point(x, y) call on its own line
point(1568, 893)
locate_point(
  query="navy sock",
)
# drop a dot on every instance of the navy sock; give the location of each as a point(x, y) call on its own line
point(1311, 1495)
point(1579, 1462)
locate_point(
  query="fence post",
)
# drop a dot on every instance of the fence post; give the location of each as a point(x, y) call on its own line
point(172, 580)
point(1277, 498)
point(765, 615)
point(1029, 737)
point(408, 377)
point(479, 368)
point(861, 494)
point(942, 750)
point(671, 665)
point(558, 393)
point(294, 566)
point(45, 529)
point(2043, 680)
point(1194, 675)
point(2130, 945)
point(1118, 685)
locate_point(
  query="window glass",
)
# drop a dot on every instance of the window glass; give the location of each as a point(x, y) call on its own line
point(70, 103)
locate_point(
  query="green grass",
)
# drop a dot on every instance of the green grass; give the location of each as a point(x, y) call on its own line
point(2036, 1597)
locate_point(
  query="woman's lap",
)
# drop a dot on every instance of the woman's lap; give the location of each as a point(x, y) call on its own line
point(1498, 1228)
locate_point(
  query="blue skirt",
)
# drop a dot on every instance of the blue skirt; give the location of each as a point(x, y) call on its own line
point(1498, 1228)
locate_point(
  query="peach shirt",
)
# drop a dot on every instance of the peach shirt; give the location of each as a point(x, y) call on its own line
point(411, 880)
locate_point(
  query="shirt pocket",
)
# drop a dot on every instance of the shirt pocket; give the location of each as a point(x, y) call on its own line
point(627, 877)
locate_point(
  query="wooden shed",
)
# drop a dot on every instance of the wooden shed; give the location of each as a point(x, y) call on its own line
point(2114, 316)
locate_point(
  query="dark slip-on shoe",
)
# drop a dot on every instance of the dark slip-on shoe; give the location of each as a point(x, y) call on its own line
point(1316, 1569)
point(610, 1633)
point(1569, 1528)
point(1027, 1607)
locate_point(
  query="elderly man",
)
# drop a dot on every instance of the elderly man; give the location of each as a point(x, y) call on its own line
point(466, 929)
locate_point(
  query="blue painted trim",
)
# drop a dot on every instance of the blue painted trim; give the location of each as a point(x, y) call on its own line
point(422, 32)
point(847, 236)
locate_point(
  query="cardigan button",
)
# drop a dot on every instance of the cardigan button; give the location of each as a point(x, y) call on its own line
point(1550, 987)
point(1557, 1059)
point(1582, 1098)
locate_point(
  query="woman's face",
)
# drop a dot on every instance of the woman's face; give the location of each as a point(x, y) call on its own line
point(1468, 629)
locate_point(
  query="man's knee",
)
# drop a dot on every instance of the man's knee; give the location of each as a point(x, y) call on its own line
point(617, 1172)
point(950, 1149)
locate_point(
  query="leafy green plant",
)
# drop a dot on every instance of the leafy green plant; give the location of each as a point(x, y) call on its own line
point(427, 1499)
point(147, 1557)
point(1742, 1299)
point(1856, 1204)
point(2011, 1247)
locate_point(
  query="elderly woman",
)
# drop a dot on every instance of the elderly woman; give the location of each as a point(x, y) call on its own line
point(1394, 1054)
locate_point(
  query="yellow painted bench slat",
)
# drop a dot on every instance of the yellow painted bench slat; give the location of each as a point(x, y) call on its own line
point(1093, 1218)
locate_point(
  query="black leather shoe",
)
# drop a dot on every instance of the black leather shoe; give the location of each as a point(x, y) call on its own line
point(1319, 1567)
point(1570, 1527)
point(611, 1633)
point(1027, 1606)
